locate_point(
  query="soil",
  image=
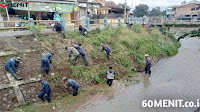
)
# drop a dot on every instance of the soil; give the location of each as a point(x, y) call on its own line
point(8, 99)
point(136, 65)
point(30, 65)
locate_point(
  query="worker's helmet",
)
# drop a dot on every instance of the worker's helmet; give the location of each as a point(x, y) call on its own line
point(146, 55)
point(18, 59)
point(39, 79)
point(64, 78)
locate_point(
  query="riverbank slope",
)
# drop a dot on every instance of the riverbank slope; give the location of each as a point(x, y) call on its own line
point(128, 49)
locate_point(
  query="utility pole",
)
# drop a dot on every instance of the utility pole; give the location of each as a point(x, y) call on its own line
point(28, 11)
point(7, 11)
point(87, 9)
point(125, 11)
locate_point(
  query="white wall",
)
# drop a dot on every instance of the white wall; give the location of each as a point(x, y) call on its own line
point(83, 14)
point(1, 19)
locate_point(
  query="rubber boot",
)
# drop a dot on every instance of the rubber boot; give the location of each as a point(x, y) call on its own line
point(74, 94)
point(108, 57)
point(43, 74)
point(47, 72)
point(17, 77)
point(64, 36)
point(149, 72)
point(42, 98)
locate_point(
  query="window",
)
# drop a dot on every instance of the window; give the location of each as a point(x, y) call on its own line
point(192, 9)
point(197, 8)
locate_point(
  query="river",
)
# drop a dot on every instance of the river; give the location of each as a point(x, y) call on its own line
point(176, 77)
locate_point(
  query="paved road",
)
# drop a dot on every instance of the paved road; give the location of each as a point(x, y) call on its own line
point(176, 77)
point(9, 33)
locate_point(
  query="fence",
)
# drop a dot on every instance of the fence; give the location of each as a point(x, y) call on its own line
point(88, 22)
point(106, 21)
point(174, 20)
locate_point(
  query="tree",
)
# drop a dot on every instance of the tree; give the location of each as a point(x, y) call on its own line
point(155, 12)
point(127, 7)
point(141, 10)
point(164, 13)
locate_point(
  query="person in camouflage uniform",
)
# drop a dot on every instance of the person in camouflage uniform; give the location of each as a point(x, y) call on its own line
point(73, 53)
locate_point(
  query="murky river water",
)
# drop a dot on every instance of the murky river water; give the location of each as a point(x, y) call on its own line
point(176, 77)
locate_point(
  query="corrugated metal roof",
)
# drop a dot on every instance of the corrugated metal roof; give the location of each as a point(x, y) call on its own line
point(112, 4)
point(191, 2)
point(54, 1)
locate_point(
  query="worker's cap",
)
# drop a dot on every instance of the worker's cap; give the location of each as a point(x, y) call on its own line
point(79, 44)
point(102, 44)
point(80, 26)
point(39, 79)
point(64, 78)
point(17, 58)
point(66, 47)
point(52, 53)
point(146, 55)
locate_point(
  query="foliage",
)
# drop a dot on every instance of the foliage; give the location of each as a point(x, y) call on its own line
point(35, 29)
point(123, 5)
point(53, 79)
point(85, 73)
point(141, 10)
point(155, 12)
point(136, 28)
point(47, 39)
point(163, 13)
point(193, 33)
point(125, 43)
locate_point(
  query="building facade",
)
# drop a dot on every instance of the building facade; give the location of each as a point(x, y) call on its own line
point(186, 9)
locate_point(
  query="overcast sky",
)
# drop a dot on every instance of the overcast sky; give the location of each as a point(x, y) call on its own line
point(151, 3)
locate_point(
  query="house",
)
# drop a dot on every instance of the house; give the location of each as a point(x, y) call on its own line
point(104, 9)
point(186, 9)
point(45, 9)
point(87, 9)
point(170, 12)
point(110, 10)
point(116, 9)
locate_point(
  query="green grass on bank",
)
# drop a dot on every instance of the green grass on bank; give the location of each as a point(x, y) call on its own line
point(193, 33)
point(125, 43)
point(128, 49)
